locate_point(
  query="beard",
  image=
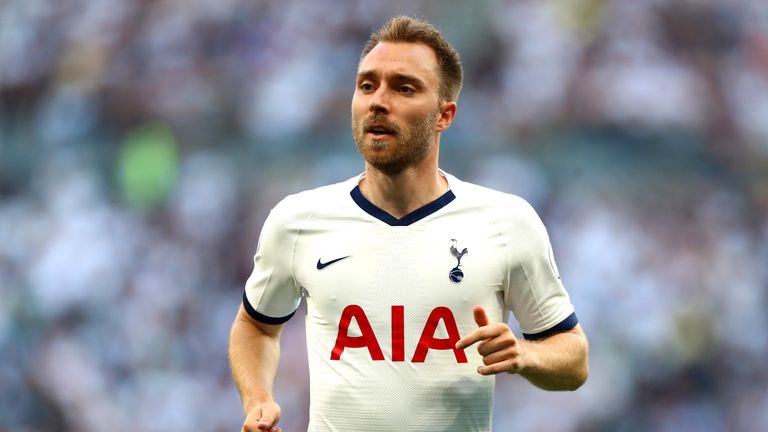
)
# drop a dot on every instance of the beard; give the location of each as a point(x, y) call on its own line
point(410, 146)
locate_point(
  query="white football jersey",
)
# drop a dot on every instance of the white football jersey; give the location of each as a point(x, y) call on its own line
point(388, 298)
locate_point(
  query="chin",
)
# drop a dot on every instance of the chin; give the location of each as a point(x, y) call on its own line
point(390, 169)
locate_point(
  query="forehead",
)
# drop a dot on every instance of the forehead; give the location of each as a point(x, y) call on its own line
point(402, 58)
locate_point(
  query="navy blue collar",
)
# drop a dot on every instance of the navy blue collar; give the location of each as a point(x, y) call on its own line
point(412, 217)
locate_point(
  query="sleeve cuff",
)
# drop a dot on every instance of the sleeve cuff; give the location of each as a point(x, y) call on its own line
point(564, 325)
point(261, 317)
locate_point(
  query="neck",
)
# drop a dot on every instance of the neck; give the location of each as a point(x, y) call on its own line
point(402, 193)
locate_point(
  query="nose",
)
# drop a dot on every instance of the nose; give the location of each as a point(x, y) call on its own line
point(379, 103)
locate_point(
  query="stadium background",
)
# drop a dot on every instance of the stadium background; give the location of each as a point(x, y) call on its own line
point(142, 144)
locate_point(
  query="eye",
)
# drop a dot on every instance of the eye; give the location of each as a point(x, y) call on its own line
point(366, 87)
point(406, 89)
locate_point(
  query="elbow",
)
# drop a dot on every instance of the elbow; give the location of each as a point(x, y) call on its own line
point(571, 382)
point(579, 378)
point(580, 373)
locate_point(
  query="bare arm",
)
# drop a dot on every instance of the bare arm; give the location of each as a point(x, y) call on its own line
point(254, 354)
point(558, 362)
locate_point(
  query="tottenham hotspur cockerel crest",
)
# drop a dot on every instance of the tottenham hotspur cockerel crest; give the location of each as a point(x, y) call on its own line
point(456, 275)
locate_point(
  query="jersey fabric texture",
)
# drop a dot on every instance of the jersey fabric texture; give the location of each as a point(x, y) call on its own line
point(387, 298)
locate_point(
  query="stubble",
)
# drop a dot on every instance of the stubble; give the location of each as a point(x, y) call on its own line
point(410, 146)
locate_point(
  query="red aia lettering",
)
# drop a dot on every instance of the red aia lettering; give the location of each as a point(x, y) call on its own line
point(427, 341)
point(367, 339)
point(398, 333)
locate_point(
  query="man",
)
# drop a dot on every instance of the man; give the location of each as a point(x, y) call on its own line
point(403, 269)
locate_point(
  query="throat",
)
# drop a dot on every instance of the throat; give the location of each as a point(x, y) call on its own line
point(403, 194)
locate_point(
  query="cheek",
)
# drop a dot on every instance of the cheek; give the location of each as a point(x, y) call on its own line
point(356, 114)
point(420, 117)
point(358, 102)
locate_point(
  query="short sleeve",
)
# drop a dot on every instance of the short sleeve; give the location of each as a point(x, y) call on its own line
point(271, 292)
point(534, 292)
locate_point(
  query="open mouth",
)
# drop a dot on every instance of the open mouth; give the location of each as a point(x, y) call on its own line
point(379, 131)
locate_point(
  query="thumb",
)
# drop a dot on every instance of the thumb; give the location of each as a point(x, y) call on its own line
point(268, 416)
point(267, 421)
point(481, 318)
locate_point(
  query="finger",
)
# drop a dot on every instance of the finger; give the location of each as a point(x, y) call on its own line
point(257, 427)
point(500, 356)
point(267, 421)
point(480, 334)
point(251, 423)
point(265, 424)
point(499, 343)
point(484, 333)
point(481, 318)
point(265, 416)
point(496, 368)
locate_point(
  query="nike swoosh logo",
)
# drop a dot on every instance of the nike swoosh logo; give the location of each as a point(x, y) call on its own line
point(322, 265)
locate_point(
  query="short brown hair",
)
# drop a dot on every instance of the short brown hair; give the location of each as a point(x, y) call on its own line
point(406, 29)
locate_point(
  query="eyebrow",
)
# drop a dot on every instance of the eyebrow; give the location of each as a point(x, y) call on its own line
point(395, 76)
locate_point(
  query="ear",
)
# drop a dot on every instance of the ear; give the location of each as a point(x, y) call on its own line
point(447, 112)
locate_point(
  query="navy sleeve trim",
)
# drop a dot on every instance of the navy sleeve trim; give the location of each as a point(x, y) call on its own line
point(563, 326)
point(263, 318)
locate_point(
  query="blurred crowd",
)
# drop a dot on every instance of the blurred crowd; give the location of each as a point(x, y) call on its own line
point(142, 144)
